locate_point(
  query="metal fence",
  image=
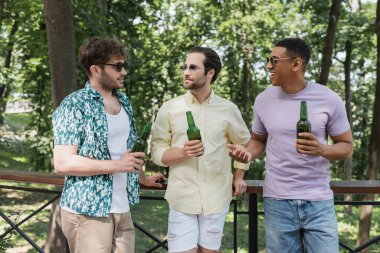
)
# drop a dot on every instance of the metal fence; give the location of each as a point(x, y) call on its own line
point(254, 189)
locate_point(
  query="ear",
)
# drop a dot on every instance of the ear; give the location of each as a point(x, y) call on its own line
point(211, 73)
point(95, 70)
point(297, 64)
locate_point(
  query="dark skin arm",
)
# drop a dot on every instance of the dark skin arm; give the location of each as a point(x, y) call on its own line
point(340, 149)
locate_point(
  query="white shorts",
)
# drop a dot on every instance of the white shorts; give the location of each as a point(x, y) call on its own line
point(187, 231)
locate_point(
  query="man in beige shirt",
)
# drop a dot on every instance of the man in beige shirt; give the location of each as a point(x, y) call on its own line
point(201, 184)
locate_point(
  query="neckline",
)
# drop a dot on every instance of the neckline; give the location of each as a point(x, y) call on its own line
point(307, 86)
point(115, 115)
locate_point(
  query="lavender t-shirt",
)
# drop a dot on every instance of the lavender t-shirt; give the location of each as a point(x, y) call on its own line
point(290, 175)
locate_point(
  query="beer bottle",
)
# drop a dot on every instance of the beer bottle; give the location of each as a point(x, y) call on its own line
point(140, 143)
point(193, 132)
point(303, 125)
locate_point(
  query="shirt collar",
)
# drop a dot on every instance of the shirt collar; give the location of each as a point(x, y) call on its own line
point(91, 91)
point(190, 99)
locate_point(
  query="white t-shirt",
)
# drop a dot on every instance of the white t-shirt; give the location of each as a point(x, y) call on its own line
point(118, 132)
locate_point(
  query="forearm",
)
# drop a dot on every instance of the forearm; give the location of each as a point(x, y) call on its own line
point(142, 176)
point(256, 148)
point(77, 165)
point(239, 174)
point(337, 151)
point(173, 156)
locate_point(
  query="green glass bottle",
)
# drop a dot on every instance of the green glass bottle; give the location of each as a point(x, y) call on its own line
point(193, 132)
point(141, 141)
point(303, 125)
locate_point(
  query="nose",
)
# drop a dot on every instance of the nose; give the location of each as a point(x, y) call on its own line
point(186, 71)
point(124, 72)
point(269, 66)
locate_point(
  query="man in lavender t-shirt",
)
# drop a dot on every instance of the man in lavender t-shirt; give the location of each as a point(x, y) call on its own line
point(298, 202)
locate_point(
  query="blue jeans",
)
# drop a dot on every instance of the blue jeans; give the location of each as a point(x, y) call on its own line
point(295, 226)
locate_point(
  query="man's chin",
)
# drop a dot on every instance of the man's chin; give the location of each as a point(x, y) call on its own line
point(120, 84)
point(274, 83)
point(188, 86)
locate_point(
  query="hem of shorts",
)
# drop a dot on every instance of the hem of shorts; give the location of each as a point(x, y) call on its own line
point(217, 249)
point(196, 247)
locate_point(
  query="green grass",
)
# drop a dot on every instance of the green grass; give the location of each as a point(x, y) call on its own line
point(17, 205)
point(13, 161)
point(17, 121)
point(152, 215)
point(13, 151)
point(348, 226)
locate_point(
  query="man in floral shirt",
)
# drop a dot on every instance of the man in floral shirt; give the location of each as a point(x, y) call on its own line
point(94, 130)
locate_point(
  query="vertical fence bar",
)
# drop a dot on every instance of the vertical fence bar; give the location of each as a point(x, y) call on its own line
point(253, 239)
point(235, 225)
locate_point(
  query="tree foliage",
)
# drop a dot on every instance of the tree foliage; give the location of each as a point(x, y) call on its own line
point(158, 34)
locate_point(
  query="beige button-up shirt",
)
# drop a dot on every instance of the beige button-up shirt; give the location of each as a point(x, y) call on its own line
point(201, 184)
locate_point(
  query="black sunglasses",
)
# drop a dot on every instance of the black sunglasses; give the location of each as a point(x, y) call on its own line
point(118, 66)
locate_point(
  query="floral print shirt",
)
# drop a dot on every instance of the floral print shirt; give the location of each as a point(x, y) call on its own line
point(80, 120)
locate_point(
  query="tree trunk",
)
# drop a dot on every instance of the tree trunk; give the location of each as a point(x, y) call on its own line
point(374, 152)
point(245, 90)
point(1, 12)
point(61, 44)
point(103, 11)
point(5, 88)
point(329, 42)
point(348, 98)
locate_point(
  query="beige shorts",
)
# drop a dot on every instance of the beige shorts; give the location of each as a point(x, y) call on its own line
point(115, 233)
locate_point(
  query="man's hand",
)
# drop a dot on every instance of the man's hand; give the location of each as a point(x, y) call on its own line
point(310, 145)
point(239, 186)
point(176, 155)
point(154, 180)
point(193, 148)
point(129, 162)
point(239, 153)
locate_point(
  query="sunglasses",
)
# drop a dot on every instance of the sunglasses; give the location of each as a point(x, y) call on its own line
point(274, 60)
point(117, 66)
point(192, 68)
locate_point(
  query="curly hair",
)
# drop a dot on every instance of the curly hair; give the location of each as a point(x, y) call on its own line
point(98, 50)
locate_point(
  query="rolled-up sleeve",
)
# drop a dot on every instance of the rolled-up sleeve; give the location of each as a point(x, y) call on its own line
point(161, 136)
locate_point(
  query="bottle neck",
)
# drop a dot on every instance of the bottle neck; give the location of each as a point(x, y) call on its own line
point(190, 119)
point(303, 111)
point(146, 131)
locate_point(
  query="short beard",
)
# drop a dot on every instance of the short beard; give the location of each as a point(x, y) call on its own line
point(194, 85)
point(107, 82)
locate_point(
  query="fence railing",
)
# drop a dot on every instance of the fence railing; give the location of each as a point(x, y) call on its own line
point(254, 189)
